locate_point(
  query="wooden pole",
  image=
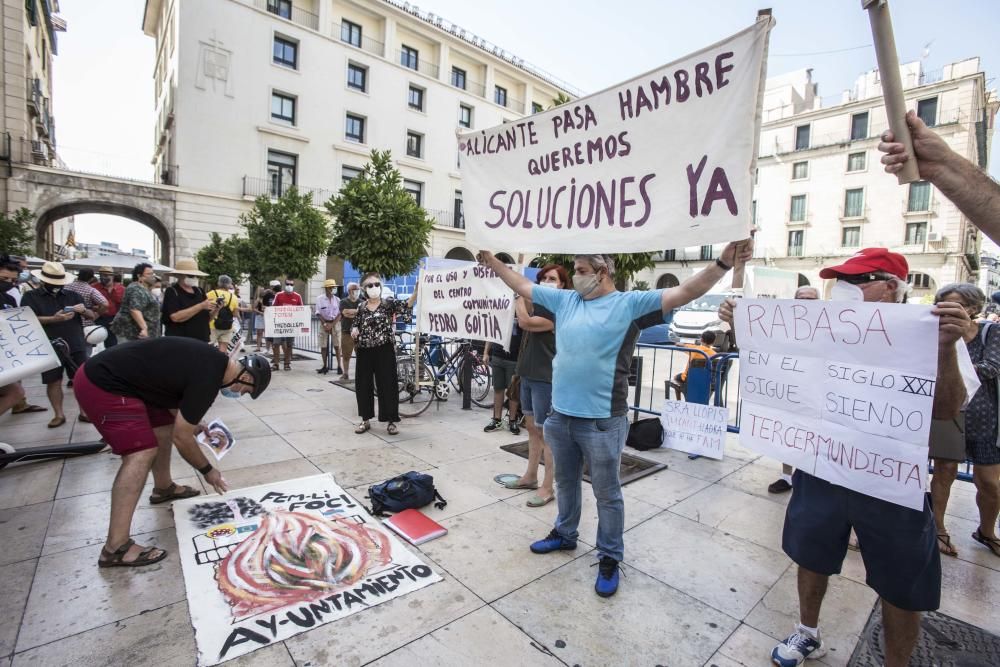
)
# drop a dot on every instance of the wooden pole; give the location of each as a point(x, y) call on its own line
point(892, 85)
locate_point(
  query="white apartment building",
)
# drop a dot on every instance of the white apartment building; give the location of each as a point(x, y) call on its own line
point(821, 193)
point(254, 96)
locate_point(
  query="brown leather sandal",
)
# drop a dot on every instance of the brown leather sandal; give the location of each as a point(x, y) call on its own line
point(172, 492)
point(990, 543)
point(114, 558)
point(944, 544)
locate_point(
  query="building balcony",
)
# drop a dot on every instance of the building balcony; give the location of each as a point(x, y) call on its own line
point(265, 187)
point(854, 215)
point(366, 44)
point(166, 175)
point(453, 219)
point(795, 250)
point(920, 210)
point(33, 96)
point(801, 221)
point(287, 11)
point(422, 66)
point(473, 87)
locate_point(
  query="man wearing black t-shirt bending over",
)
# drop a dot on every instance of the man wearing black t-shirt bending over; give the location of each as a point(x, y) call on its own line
point(142, 398)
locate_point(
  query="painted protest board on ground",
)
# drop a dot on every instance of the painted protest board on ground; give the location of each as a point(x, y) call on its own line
point(694, 428)
point(842, 390)
point(661, 161)
point(265, 563)
point(24, 347)
point(469, 301)
point(287, 321)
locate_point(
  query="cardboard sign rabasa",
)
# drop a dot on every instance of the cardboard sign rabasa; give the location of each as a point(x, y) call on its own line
point(663, 160)
point(842, 390)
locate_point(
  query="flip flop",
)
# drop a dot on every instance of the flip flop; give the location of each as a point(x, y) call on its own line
point(945, 546)
point(173, 492)
point(56, 422)
point(990, 543)
point(29, 408)
point(511, 481)
point(537, 501)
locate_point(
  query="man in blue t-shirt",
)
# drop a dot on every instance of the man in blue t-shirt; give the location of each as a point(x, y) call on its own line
point(596, 330)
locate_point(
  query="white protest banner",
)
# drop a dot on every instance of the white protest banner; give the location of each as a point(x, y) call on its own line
point(24, 347)
point(842, 390)
point(763, 282)
point(265, 563)
point(287, 321)
point(694, 428)
point(466, 302)
point(661, 161)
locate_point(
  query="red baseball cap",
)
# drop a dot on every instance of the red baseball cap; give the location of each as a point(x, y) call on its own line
point(869, 260)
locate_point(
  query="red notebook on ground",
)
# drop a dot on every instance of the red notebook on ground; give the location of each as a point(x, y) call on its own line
point(414, 526)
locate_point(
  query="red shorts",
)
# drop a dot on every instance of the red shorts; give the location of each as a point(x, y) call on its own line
point(125, 423)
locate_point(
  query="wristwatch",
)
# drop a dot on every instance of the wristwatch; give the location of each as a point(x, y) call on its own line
point(722, 265)
point(205, 470)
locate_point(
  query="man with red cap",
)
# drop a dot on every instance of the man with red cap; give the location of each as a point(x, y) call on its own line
point(898, 544)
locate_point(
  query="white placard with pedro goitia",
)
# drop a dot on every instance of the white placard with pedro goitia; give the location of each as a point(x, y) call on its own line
point(467, 301)
point(694, 428)
point(663, 160)
point(287, 321)
point(842, 390)
point(24, 348)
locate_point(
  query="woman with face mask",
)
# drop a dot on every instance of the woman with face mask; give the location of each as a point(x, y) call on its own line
point(139, 316)
point(375, 344)
point(186, 309)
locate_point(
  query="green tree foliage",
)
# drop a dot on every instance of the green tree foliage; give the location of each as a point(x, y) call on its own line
point(640, 286)
point(223, 256)
point(17, 234)
point(626, 265)
point(284, 237)
point(377, 225)
point(559, 100)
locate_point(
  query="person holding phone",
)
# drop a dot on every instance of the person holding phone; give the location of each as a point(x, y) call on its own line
point(59, 312)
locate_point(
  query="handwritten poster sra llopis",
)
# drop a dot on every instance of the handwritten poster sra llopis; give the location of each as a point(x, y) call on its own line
point(842, 390)
point(663, 160)
point(265, 563)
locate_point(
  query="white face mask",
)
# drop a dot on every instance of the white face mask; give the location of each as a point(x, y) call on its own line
point(844, 291)
point(548, 285)
point(584, 285)
point(191, 281)
point(354, 294)
point(288, 288)
point(374, 292)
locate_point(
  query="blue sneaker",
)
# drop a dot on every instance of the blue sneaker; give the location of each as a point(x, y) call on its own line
point(552, 542)
point(797, 648)
point(607, 577)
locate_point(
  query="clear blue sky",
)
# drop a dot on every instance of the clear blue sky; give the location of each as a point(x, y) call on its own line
point(103, 74)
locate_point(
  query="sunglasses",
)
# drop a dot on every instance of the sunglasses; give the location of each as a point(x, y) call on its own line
point(373, 285)
point(862, 278)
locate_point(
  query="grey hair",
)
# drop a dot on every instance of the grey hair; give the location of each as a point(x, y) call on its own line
point(597, 262)
point(969, 292)
point(225, 281)
point(352, 284)
point(902, 286)
point(806, 287)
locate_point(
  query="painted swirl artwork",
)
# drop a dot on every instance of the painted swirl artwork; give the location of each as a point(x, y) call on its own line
point(265, 563)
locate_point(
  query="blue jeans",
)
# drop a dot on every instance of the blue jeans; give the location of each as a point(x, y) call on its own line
point(599, 442)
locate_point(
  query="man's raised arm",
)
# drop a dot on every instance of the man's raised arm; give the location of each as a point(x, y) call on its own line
point(512, 279)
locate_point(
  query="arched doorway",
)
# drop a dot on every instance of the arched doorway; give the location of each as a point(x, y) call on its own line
point(803, 281)
point(505, 258)
point(460, 253)
point(667, 280)
point(44, 240)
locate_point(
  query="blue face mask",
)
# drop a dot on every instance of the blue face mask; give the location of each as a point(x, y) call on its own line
point(229, 393)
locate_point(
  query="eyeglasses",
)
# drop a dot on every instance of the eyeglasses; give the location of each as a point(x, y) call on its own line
point(373, 285)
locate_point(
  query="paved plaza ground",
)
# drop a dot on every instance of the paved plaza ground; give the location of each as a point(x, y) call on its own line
point(706, 581)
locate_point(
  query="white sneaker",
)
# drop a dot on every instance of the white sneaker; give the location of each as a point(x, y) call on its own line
point(797, 648)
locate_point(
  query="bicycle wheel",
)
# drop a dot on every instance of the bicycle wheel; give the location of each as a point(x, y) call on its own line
point(416, 385)
point(482, 380)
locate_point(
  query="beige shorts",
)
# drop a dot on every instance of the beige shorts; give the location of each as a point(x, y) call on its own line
point(221, 336)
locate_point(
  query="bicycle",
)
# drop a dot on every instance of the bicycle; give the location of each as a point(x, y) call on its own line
point(421, 381)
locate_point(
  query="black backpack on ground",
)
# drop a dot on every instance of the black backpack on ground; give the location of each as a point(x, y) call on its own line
point(645, 434)
point(411, 490)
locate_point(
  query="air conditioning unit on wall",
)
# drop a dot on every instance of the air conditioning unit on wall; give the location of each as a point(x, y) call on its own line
point(934, 237)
